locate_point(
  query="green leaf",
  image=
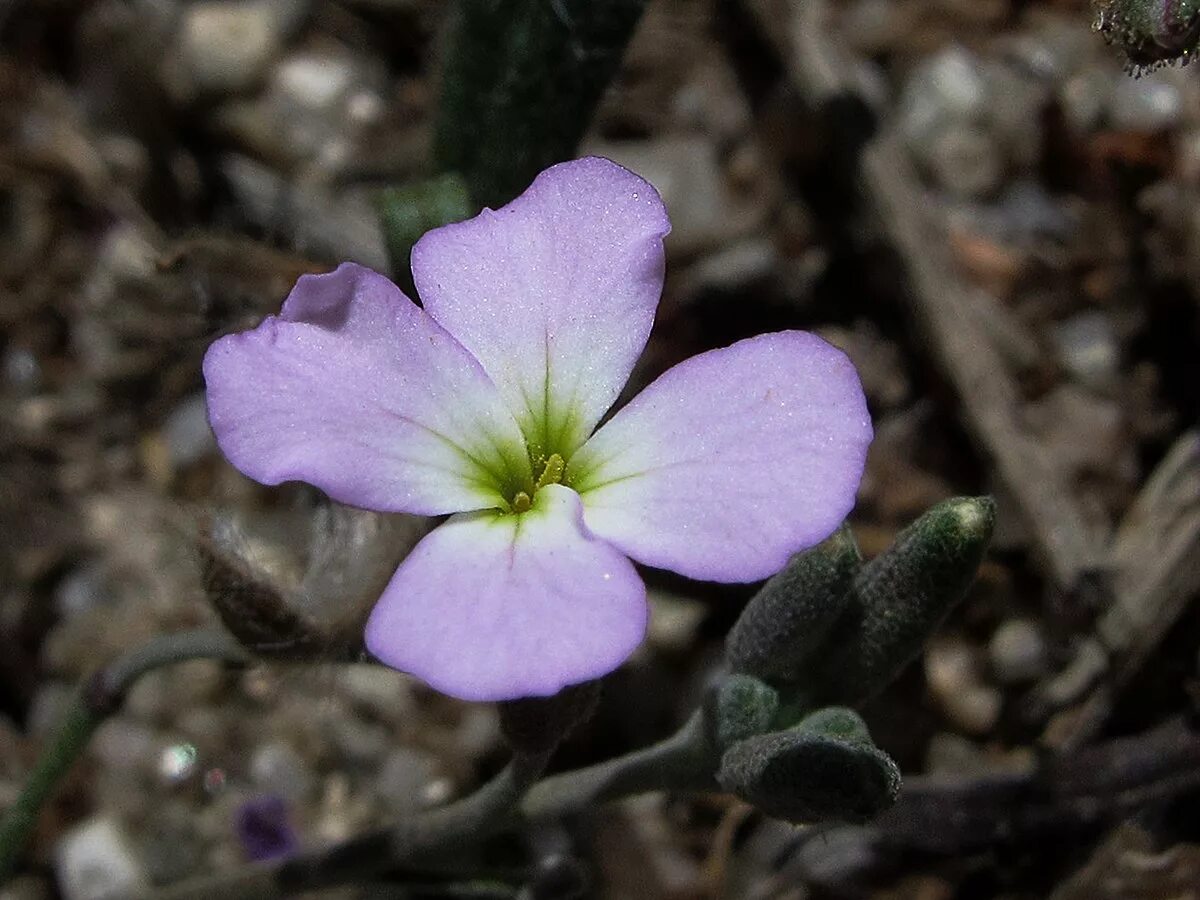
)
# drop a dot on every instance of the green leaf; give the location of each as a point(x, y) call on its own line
point(520, 84)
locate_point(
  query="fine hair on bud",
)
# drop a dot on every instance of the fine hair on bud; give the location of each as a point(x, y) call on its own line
point(899, 598)
point(254, 609)
point(297, 584)
point(739, 707)
point(824, 769)
point(787, 620)
point(1151, 33)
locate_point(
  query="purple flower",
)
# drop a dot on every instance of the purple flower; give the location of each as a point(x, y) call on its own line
point(264, 828)
point(483, 405)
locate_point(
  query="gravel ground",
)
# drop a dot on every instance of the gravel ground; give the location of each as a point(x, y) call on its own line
point(971, 197)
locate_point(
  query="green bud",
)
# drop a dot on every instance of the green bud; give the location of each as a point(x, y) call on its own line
point(899, 598)
point(787, 619)
point(826, 768)
point(534, 725)
point(740, 707)
point(1150, 32)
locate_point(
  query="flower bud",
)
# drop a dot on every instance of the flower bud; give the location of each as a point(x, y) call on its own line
point(826, 768)
point(1150, 32)
point(788, 618)
point(899, 598)
point(255, 610)
point(741, 707)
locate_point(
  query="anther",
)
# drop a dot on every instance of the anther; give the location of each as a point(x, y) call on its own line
point(553, 472)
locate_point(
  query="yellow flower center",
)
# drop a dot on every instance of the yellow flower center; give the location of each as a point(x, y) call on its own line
point(552, 473)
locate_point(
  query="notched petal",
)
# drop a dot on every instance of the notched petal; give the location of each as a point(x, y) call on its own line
point(498, 606)
point(731, 461)
point(554, 293)
point(356, 390)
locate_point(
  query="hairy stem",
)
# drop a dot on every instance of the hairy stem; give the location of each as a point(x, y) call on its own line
point(682, 762)
point(97, 699)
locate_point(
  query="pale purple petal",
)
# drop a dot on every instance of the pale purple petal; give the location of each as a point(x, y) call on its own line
point(493, 607)
point(356, 390)
point(554, 293)
point(731, 461)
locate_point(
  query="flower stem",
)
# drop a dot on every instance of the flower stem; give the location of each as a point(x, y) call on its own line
point(97, 699)
point(683, 761)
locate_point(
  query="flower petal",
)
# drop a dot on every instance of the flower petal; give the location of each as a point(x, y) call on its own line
point(731, 461)
point(358, 391)
point(554, 293)
point(493, 607)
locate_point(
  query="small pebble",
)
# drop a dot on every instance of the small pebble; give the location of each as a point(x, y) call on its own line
point(383, 692)
point(737, 265)
point(1017, 652)
point(125, 745)
point(965, 160)
point(947, 88)
point(177, 763)
point(1087, 348)
point(953, 754)
point(226, 46)
point(81, 590)
point(187, 434)
point(21, 370)
point(96, 861)
point(1148, 104)
point(673, 621)
point(952, 671)
point(404, 780)
point(277, 768)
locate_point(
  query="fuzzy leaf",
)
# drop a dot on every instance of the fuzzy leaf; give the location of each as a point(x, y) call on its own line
point(825, 768)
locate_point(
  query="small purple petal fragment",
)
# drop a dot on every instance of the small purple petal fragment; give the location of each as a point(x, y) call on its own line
point(495, 607)
point(264, 829)
point(554, 293)
point(356, 390)
point(731, 461)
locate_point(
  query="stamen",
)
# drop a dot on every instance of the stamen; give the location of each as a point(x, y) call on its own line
point(553, 472)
